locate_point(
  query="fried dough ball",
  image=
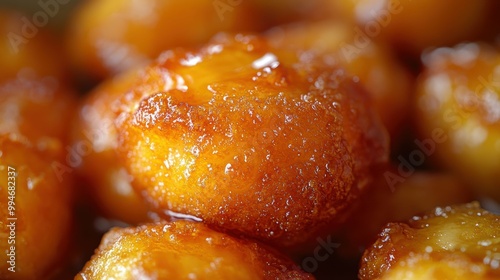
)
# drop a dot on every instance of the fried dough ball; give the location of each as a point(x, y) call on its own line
point(417, 194)
point(34, 99)
point(108, 36)
point(250, 139)
point(416, 25)
point(459, 242)
point(94, 133)
point(37, 236)
point(184, 250)
point(37, 109)
point(25, 46)
point(458, 98)
point(387, 82)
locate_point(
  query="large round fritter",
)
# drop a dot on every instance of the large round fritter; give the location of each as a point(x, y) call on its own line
point(250, 138)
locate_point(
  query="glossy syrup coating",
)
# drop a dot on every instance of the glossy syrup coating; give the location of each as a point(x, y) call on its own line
point(453, 242)
point(414, 195)
point(458, 98)
point(107, 37)
point(416, 25)
point(184, 250)
point(94, 134)
point(385, 79)
point(28, 48)
point(42, 208)
point(248, 138)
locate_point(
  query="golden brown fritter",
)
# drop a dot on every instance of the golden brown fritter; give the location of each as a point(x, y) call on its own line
point(387, 82)
point(35, 217)
point(250, 139)
point(415, 25)
point(184, 250)
point(458, 98)
point(94, 134)
point(453, 242)
point(108, 36)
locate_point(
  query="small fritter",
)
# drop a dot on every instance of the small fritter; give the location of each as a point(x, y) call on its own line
point(36, 213)
point(109, 36)
point(397, 202)
point(38, 109)
point(26, 49)
point(184, 250)
point(94, 135)
point(387, 82)
point(415, 25)
point(251, 139)
point(454, 242)
point(458, 109)
point(35, 102)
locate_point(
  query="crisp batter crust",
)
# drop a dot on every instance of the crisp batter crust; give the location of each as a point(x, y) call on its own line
point(460, 242)
point(250, 138)
point(185, 250)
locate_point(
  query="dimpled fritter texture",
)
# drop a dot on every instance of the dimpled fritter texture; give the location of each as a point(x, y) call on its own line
point(250, 139)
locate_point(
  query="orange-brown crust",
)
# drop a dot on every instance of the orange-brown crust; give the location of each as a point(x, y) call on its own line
point(274, 151)
point(42, 208)
point(459, 242)
point(185, 250)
